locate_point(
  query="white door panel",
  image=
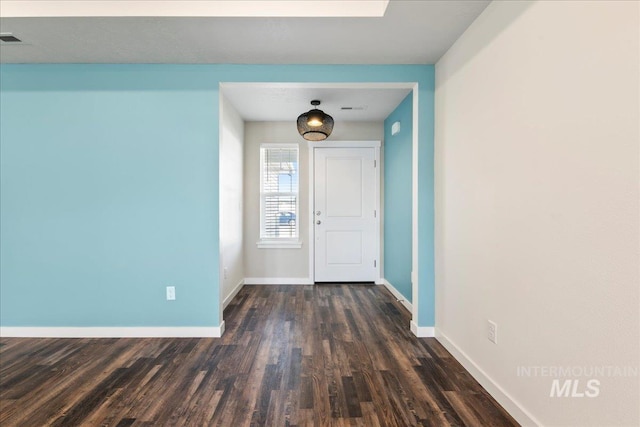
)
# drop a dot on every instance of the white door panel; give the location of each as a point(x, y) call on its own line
point(344, 247)
point(346, 239)
point(343, 196)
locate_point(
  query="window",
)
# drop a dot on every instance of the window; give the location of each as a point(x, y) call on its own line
point(279, 192)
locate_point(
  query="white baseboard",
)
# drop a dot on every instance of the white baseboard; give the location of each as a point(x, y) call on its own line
point(113, 332)
point(516, 410)
point(232, 294)
point(422, 331)
point(401, 298)
point(278, 281)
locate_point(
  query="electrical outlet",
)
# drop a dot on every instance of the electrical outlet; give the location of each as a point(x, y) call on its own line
point(171, 293)
point(492, 332)
point(226, 273)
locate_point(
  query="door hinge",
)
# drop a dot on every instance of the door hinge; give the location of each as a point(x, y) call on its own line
point(375, 263)
point(374, 213)
point(375, 163)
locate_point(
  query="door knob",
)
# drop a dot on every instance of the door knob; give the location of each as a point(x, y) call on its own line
point(318, 213)
point(318, 222)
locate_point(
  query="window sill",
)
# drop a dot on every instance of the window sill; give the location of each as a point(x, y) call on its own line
point(279, 244)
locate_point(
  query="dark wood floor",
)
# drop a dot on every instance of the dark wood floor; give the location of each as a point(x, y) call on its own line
point(329, 355)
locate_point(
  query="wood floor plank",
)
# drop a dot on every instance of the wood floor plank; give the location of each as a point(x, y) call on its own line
point(325, 355)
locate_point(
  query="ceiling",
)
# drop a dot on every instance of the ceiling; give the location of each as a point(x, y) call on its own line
point(285, 102)
point(410, 32)
point(181, 31)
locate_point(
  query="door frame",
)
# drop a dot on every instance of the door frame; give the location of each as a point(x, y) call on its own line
point(312, 146)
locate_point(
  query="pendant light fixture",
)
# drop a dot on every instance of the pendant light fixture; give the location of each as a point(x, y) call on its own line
point(315, 125)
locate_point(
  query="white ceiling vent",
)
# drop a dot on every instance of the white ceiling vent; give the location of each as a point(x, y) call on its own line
point(359, 108)
point(9, 38)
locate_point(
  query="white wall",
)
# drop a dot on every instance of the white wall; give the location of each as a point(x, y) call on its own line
point(285, 263)
point(231, 200)
point(537, 203)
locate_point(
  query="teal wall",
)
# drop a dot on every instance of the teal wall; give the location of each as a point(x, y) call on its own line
point(109, 188)
point(398, 184)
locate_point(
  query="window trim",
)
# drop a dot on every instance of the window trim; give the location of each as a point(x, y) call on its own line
point(278, 242)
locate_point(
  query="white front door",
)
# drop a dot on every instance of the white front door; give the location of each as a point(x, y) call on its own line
point(345, 217)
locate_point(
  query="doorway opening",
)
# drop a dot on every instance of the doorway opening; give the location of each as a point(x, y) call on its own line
point(258, 105)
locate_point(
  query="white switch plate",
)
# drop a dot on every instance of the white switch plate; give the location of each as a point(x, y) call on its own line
point(171, 293)
point(492, 332)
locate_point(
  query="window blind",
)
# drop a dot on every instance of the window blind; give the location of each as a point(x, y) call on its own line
point(279, 193)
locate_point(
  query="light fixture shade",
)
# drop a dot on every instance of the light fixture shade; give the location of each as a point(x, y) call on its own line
point(315, 125)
